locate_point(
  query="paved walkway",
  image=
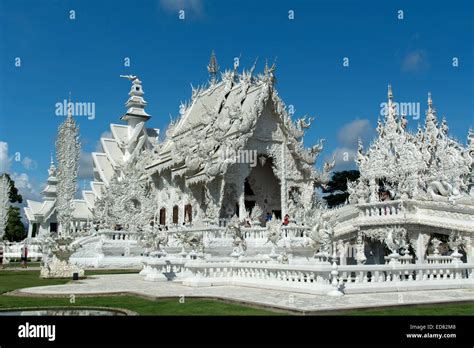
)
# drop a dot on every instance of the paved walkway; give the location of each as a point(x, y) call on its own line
point(303, 303)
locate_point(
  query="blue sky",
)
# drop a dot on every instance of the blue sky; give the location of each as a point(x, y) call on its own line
point(86, 56)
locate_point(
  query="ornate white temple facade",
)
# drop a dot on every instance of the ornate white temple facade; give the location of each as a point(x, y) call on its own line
point(232, 184)
point(234, 147)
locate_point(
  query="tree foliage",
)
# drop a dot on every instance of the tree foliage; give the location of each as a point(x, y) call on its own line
point(337, 187)
point(14, 196)
point(14, 229)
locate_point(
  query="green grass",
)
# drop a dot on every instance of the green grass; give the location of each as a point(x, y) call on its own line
point(139, 305)
point(11, 280)
point(17, 264)
point(442, 309)
point(90, 272)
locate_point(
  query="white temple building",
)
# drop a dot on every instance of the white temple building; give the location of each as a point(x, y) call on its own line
point(42, 215)
point(233, 166)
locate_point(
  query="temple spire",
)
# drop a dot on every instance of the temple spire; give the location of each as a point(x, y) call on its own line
point(390, 94)
point(430, 102)
point(391, 115)
point(135, 104)
point(213, 68)
point(431, 112)
point(69, 106)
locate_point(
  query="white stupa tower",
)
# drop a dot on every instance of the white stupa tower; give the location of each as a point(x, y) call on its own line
point(135, 104)
point(126, 142)
point(50, 191)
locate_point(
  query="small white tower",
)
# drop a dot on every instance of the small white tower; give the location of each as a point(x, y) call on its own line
point(135, 104)
point(50, 191)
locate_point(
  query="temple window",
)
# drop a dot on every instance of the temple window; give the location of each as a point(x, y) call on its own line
point(175, 214)
point(188, 213)
point(35, 230)
point(163, 216)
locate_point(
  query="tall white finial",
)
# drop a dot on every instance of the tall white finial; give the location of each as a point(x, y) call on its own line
point(69, 106)
point(430, 101)
point(390, 94)
point(213, 68)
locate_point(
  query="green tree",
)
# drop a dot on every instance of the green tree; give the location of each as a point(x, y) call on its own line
point(14, 196)
point(337, 187)
point(15, 229)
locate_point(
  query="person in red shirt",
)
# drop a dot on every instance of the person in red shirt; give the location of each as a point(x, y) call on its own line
point(286, 220)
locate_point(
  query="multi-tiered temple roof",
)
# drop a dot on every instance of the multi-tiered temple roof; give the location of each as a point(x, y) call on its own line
point(222, 117)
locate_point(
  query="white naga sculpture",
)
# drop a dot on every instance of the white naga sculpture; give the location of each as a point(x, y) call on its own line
point(239, 245)
point(256, 215)
point(56, 262)
point(274, 235)
point(193, 241)
point(153, 239)
point(395, 240)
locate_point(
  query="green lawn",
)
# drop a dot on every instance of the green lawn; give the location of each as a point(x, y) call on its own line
point(11, 280)
point(110, 271)
point(17, 264)
point(443, 309)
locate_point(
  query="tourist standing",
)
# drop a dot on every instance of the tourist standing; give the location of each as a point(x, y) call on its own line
point(24, 256)
point(286, 220)
point(1, 256)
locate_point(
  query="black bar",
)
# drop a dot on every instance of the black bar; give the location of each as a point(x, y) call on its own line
point(332, 330)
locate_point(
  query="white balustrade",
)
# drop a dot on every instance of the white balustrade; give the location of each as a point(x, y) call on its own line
point(439, 259)
point(12, 250)
point(381, 209)
point(317, 278)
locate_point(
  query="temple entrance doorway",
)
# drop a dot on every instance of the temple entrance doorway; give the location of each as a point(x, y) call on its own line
point(262, 187)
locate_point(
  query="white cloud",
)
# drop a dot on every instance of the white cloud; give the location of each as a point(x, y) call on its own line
point(29, 163)
point(415, 61)
point(194, 7)
point(4, 159)
point(348, 138)
point(25, 187)
point(344, 159)
point(350, 133)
